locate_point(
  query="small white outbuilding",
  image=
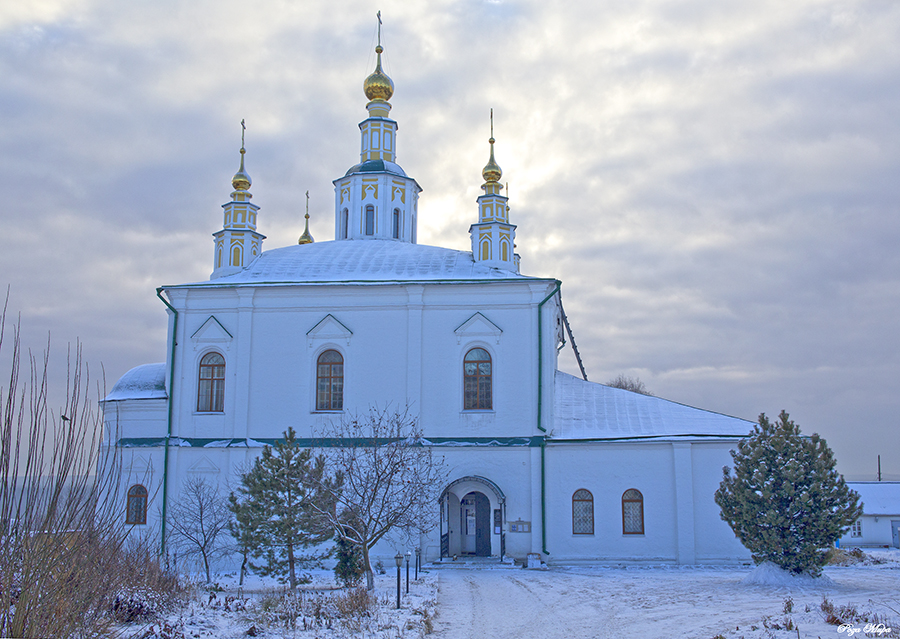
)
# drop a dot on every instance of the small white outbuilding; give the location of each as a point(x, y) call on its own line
point(879, 525)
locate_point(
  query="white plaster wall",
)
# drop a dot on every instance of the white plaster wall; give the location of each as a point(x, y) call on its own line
point(403, 349)
point(134, 418)
point(715, 541)
point(678, 533)
point(607, 471)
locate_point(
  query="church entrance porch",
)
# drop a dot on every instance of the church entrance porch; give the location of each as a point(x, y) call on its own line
point(473, 513)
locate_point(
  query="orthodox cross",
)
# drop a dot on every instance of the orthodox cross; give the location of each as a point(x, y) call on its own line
point(379, 27)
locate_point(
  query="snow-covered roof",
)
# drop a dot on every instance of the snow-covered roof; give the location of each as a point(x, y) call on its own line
point(586, 410)
point(375, 260)
point(878, 497)
point(147, 381)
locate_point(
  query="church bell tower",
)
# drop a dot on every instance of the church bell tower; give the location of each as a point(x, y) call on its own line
point(375, 199)
point(238, 243)
point(493, 237)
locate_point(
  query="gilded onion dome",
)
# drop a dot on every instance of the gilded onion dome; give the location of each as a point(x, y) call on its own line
point(378, 86)
point(241, 181)
point(306, 238)
point(491, 171)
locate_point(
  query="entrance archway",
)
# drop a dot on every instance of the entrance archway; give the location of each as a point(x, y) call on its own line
point(473, 514)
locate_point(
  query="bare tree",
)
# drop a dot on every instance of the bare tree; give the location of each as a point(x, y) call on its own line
point(61, 521)
point(198, 518)
point(633, 384)
point(390, 478)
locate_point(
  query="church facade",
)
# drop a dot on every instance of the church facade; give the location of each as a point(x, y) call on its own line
point(540, 462)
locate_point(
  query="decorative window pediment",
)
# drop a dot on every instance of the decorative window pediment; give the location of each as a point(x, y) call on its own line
point(478, 326)
point(328, 329)
point(211, 332)
point(204, 466)
point(137, 466)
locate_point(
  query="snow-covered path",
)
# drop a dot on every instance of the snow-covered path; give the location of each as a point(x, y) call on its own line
point(503, 603)
point(662, 603)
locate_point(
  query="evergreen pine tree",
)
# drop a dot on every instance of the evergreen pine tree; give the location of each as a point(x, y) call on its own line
point(349, 567)
point(785, 501)
point(274, 510)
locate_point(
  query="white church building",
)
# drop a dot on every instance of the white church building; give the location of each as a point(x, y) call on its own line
point(540, 461)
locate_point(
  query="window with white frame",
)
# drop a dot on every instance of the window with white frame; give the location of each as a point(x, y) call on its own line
point(856, 529)
point(330, 381)
point(211, 384)
point(477, 380)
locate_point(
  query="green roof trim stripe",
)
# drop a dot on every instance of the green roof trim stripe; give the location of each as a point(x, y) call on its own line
point(327, 442)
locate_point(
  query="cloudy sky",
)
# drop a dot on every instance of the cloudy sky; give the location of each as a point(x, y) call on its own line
point(715, 183)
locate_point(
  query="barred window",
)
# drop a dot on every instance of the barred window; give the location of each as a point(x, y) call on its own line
point(330, 381)
point(211, 386)
point(136, 506)
point(632, 512)
point(477, 380)
point(856, 529)
point(582, 512)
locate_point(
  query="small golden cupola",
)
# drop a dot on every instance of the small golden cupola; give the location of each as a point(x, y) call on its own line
point(306, 238)
point(375, 199)
point(238, 243)
point(493, 237)
point(491, 171)
point(241, 180)
point(378, 86)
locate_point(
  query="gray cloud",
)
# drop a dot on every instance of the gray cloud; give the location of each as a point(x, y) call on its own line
point(714, 183)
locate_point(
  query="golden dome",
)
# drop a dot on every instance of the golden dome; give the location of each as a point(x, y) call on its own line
point(241, 181)
point(306, 238)
point(378, 86)
point(491, 171)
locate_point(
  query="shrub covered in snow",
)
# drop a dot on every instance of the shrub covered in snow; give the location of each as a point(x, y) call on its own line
point(785, 501)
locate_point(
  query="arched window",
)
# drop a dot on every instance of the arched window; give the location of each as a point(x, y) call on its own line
point(136, 507)
point(632, 512)
point(477, 380)
point(370, 219)
point(345, 223)
point(330, 381)
point(582, 512)
point(211, 387)
point(396, 224)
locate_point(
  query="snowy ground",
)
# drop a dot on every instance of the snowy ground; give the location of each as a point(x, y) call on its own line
point(589, 602)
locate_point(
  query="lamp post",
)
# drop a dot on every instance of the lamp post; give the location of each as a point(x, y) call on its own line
point(398, 559)
point(418, 561)
point(408, 555)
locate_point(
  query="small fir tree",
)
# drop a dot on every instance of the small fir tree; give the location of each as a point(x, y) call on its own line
point(279, 506)
point(785, 501)
point(349, 567)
